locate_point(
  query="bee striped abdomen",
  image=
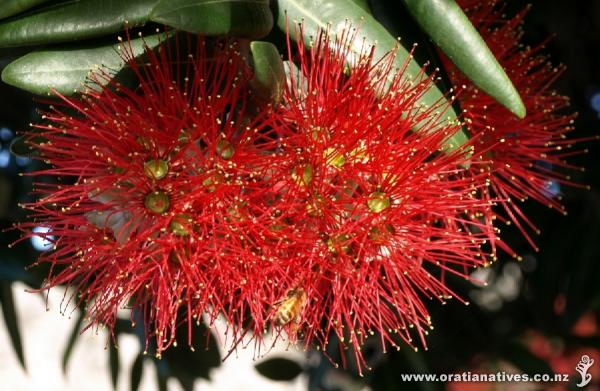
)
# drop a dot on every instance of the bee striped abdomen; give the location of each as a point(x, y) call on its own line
point(290, 308)
point(282, 317)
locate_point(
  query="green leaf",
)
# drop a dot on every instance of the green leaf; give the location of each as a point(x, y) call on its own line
point(269, 74)
point(279, 369)
point(136, 372)
point(319, 14)
point(67, 69)
point(113, 362)
point(451, 30)
point(364, 4)
point(75, 20)
point(246, 18)
point(11, 321)
point(71, 343)
point(13, 7)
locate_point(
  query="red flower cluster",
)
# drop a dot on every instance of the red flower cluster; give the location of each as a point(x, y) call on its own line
point(336, 212)
point(525, 157)
point(154, 202)
point(377, 213)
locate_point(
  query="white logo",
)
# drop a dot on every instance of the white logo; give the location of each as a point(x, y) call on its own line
point(584, 364)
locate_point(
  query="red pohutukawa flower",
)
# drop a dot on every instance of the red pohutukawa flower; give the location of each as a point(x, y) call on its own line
point(337, 213)
point(525, 157)
point(374, 212)
point(154, 202)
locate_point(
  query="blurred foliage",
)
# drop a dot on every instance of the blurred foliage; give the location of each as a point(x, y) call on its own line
point(280, 369)
point(554, 299)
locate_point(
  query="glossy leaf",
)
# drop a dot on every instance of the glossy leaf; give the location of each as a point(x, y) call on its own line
point(247, 18)
point(11, 321)
point(74, 20)
point(71, 342)
point(137, 370)
point(317, 14)
point(269, 74)
point(364, 4)
point(279, 369)
point(451, 30)
point(395, 18)
point(67, 69)
point(13, 7)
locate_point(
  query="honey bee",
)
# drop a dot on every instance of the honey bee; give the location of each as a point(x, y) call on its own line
point(290, 307)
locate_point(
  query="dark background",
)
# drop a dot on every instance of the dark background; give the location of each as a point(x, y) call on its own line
point(537, 316)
